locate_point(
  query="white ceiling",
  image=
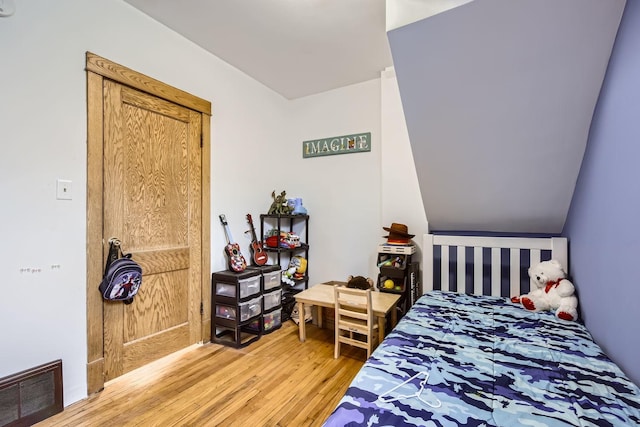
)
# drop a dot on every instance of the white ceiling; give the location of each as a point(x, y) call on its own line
point(295, 47)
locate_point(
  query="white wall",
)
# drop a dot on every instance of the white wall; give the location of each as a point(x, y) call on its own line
point(341, 192)
point(256, 138)
point(401, 199)
point(351, 197)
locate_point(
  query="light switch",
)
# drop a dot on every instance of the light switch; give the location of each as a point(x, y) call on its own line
point(63, 189)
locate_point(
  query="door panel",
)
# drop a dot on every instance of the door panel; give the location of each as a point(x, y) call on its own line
point(168, 304)
point(152, 203)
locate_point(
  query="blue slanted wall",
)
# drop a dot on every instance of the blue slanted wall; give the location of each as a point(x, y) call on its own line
point(603, 225)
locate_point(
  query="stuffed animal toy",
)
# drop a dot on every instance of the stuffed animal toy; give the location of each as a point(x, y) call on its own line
point(287, 275)
point(550, 290)
point(295, 271)
point(359, 282)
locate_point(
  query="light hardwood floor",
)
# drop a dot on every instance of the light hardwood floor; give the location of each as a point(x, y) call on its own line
point(276, 381)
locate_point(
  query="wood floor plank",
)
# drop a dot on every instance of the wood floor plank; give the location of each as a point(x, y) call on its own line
point(275, 381)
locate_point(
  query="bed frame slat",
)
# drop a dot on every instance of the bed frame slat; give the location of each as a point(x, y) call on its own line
point(462, 273)
point(477, 271)
point(495, 271)
point(534, 258)
point(444, 268)
point(514, 278)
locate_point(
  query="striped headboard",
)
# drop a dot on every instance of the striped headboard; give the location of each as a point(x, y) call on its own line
point(486, 265)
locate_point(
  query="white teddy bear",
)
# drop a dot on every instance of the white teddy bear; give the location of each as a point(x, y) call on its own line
point(550, 290)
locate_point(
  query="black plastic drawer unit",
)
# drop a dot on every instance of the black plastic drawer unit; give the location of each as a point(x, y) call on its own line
point(236, 304)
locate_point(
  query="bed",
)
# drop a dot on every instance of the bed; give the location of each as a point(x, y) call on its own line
point(465, 355)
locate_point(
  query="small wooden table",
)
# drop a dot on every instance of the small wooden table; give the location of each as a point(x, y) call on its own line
point(322, 296)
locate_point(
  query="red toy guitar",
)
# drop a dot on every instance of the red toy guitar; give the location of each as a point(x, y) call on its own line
point(236, 260)
point(260, 257)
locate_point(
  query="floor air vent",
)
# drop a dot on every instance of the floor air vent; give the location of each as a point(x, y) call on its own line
point(31, 396)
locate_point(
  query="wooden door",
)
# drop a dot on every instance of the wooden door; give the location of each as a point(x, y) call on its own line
point(152, 204)
point(153, 182)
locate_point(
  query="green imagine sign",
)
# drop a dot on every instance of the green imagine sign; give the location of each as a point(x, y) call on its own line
point(354, 143)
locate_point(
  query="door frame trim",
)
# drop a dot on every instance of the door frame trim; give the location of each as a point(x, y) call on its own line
point(98, 69)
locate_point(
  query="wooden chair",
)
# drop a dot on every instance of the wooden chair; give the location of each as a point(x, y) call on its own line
point(354, 320)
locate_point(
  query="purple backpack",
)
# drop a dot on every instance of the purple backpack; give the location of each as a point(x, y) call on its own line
point(122, 275)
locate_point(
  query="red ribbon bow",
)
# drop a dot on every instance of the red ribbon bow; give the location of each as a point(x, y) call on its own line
point(551, 284)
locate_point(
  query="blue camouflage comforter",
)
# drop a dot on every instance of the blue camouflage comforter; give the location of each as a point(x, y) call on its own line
point(469, 360)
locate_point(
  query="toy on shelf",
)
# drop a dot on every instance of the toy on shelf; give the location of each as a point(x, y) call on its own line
point(395, 262)
point(296, 206)
point(398, 234)
point(279, 206)
point(296, 270)
point(286, 239)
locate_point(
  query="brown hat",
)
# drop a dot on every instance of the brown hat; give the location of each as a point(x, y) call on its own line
point(398, 230)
